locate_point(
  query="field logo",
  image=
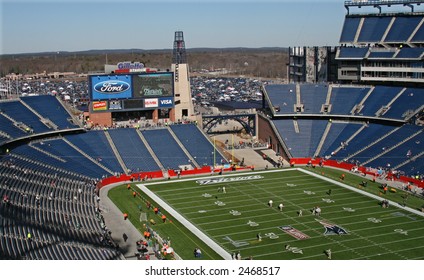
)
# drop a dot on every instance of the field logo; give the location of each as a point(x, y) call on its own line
point(331, 229)
point(348, 209)
point(308, 192)
point(291, 185)
point(294, 232)
point(206, 195)
point(202, 211)
point(226, 180)
point(327, 200)
point(236, 243)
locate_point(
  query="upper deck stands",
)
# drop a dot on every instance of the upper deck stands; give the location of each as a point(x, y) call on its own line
point(49, 107)
point(382, 29)
point(282, 96)
point(344, 98)
point(373, 29)
point(313, 96)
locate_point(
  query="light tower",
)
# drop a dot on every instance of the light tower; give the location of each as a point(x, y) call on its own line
point(183, 103)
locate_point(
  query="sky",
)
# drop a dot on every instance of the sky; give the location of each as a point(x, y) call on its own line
point(29, 26)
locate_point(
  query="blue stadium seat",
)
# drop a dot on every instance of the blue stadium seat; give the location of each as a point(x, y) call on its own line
point(166, 148)
point(282, 96)
point(402, 29)
point(350, 26)
point(49, 107)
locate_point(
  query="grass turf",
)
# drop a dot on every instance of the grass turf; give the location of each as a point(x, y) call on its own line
point(373, 232)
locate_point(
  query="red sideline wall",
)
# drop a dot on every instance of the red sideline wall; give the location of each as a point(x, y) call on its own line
point(348, 166)
point(159, 175)
point(135, 176)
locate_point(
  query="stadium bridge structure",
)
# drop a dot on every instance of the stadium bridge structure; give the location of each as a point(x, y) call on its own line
point(247, 121)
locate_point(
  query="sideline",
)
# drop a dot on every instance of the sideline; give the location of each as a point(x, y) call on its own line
point(218, 249)
point(392, 203)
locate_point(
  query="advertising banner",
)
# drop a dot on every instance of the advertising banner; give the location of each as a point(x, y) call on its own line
point(115, 105)
point(166, 102)
point(99, 105)
point(151, 103)
point(111, 87)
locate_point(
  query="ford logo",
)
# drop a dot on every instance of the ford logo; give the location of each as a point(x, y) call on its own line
point(111, 87)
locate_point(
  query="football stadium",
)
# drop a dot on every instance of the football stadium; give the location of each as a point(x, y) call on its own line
point(329, 165)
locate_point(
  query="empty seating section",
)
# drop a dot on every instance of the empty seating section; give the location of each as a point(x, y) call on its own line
point(399, 155)
point(59, 212)
point(373, 29)
point(20, 113)
point(350, 27)
point(344, 98)
point(313, 97)
point(364, 138)
point(95, 144)
point(401, 29)
point(75, 161)
point(199, 147)
point(413, 167)
point(352, 53)
point(381, 54)
point(317, 128)
point(304, 143)
point(394, 138)
point(166, 148)
point(282, 96)
point(380, 96)
point(7, 126)
point(339, 132)
point(409, 101)
point(132, 150)
point(419, 35)
point(49, 107)
point(413, 53)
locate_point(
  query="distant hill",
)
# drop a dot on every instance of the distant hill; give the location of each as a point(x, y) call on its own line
point(259, 62)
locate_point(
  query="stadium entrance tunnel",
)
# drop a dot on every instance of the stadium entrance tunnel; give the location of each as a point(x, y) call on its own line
point(247, 121)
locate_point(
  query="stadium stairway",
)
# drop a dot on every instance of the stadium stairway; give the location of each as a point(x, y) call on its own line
point(87, 156)
point(386, 108)
point(155, 158)
point(115, 151)
point(46, 153)
point(357, 109)
point(393, 147)
point(350, 138)
point(412, 159)
point(42, 119)
point(324, 136)
point(370, 144)
point(193, 161)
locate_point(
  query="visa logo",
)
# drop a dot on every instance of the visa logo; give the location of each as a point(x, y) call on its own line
point(166, 102)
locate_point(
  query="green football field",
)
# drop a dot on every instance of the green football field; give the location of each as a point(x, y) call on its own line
point(352, 225)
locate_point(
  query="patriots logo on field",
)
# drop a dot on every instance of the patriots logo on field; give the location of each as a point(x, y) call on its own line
point(332, 229)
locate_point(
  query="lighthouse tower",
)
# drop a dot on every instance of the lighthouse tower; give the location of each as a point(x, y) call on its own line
point(183, 103)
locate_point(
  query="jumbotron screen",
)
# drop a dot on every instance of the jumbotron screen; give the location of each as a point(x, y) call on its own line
point(153, 85)
point(130, 92)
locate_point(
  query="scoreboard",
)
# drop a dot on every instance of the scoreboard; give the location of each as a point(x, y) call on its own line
point(131, 92)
